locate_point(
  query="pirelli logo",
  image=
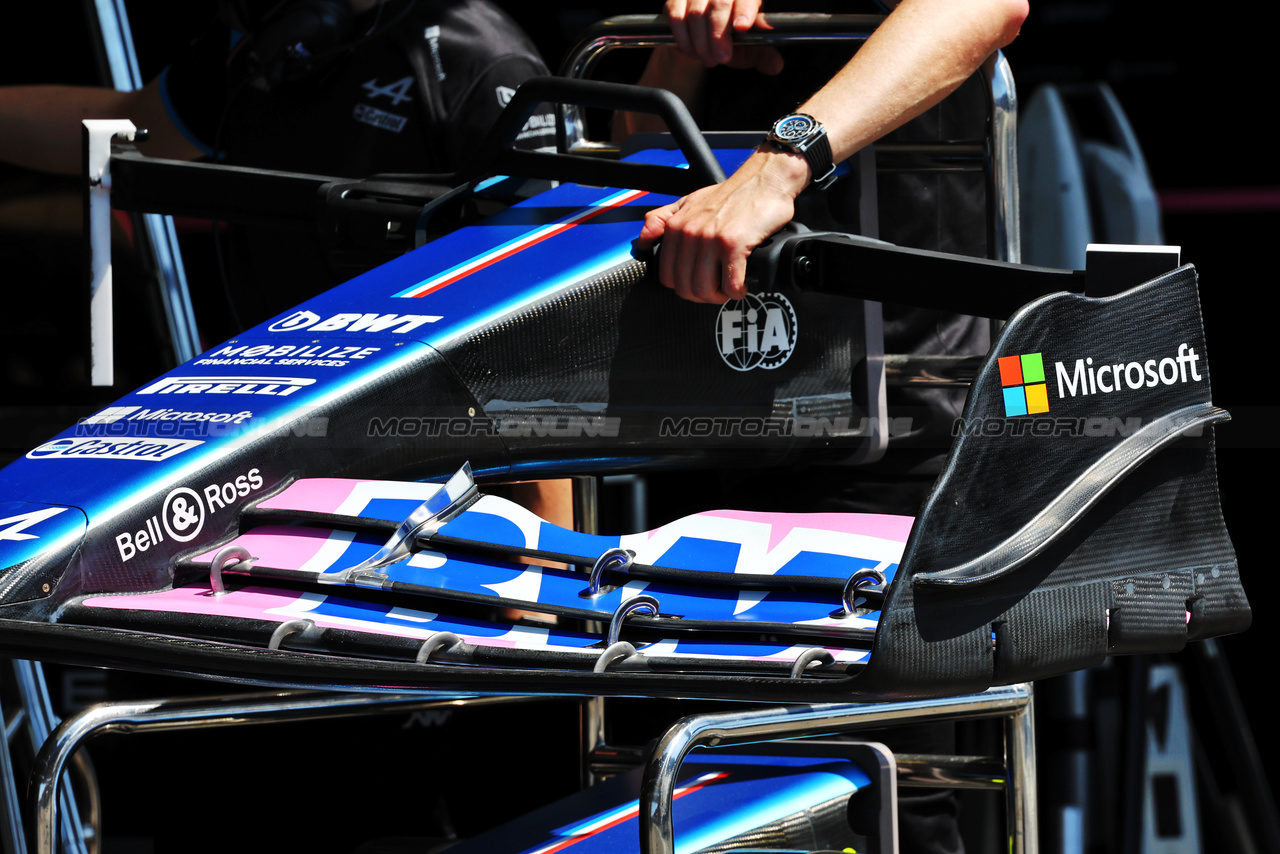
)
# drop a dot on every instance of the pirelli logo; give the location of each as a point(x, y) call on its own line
point(270, 386)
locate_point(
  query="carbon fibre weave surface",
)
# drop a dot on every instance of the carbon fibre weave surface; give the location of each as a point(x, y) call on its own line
point(1150, 564)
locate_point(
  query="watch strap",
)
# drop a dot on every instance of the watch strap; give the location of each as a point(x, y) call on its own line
point(815, 148)
point(818, 153)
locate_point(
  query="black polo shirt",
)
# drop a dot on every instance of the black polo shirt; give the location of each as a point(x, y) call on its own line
point(416, 96)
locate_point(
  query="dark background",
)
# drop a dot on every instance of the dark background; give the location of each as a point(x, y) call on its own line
point(1198, 91)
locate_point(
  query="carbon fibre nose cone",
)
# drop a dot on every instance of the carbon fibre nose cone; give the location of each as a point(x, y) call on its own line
point(31, 537)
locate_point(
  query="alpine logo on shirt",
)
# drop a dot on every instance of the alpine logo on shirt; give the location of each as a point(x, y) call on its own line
point(397, 92)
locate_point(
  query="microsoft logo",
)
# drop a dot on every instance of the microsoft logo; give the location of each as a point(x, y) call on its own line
point(1025, 392)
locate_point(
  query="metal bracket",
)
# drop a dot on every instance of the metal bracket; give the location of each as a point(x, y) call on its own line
point(456, 495)
point(436, 642)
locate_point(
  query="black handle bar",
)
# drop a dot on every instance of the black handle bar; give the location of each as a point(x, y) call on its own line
point(496, 156)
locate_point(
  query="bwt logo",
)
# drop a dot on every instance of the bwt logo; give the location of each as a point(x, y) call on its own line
point(1022, 378)
point(398, 323)
point(756, 332)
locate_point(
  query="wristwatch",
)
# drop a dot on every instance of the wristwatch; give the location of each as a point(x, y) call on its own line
point(805, 135)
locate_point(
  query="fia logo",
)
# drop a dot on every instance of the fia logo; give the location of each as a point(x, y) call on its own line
point(758, 331)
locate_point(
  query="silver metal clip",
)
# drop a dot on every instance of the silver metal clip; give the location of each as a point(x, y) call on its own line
point(816, 655)
point(236, 554)
point(635, 603)
point(866, 577)
point(437, 641)
point(307, 628)
point(613, 560)
point(614, 652)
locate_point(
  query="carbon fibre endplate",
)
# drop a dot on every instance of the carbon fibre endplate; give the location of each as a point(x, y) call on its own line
point(1077, 516)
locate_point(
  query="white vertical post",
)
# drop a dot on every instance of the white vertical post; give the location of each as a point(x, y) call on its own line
point(158, 240)
point(98, 134)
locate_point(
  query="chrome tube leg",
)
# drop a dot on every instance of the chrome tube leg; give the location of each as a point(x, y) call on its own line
point(40, 722)
point(1002, 181)
point(657, 792)
point(592, 711)
point(201, 713)
point(1020, 790)
point(586, 518)
point(171, 276)
point(657, 832)
point(586, 504)
point(11, 831)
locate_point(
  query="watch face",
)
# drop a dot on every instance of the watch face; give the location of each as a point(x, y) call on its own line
point(792, 128)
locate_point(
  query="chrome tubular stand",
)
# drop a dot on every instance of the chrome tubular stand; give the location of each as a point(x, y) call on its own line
point(11, 838)
point(202, 713)
point(586, 518)
point(1013, 703)
point(35, 717)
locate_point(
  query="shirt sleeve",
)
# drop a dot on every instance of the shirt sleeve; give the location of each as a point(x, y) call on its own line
point(485, 99)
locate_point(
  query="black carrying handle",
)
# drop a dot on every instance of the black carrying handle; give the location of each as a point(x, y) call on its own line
point(496, 156)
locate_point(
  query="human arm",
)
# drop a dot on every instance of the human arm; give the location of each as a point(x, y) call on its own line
point(921, 53)
point(669, 69)
point(42, 124)
point(704, 38)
